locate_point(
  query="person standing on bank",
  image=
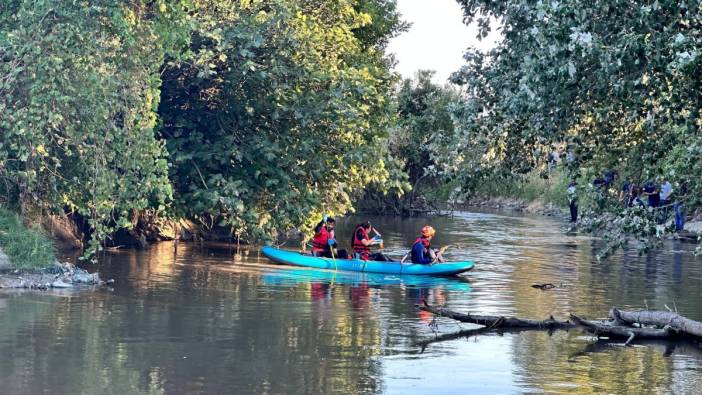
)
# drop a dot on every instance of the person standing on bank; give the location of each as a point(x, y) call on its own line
point(651, 190)
point(666, 191)
point(573, 200)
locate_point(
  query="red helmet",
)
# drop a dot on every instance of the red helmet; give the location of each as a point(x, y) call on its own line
point(428, 231)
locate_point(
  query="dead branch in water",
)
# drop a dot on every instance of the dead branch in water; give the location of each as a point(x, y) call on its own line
point(673, 322)
point(495, 322)
point(621, 325)
point(611, 330)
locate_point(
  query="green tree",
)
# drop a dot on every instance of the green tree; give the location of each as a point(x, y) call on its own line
point(280, 114)
point(79, 88)
point(615, 81)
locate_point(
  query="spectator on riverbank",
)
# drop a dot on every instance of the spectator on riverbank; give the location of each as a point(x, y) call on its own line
point(609, 176)
point(651, 190)
point(553, 159)
point(664, 196)
point(599, 183)
point(679, 206)
point(666, 191)
point(635, 197)
point(573, 200)
point(625, 192)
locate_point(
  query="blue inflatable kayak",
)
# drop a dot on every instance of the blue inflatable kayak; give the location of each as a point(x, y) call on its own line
point(357, 265)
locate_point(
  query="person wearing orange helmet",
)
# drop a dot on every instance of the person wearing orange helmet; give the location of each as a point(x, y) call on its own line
point(421, 249)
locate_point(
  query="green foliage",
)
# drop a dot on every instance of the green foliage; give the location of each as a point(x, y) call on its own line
point(270, 112)
point(280, 114)
point(423, 122)
point(78, 92)
point(26, 248)
point(385, 22)
point(615, 82)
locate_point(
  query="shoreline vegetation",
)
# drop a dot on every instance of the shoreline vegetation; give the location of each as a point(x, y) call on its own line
point(23, 247)
point(545, 193)
point(28, 259)
point(130, 123)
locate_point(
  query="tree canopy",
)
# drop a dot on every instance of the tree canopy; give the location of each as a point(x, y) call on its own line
point(250, 114)
point(615, 82)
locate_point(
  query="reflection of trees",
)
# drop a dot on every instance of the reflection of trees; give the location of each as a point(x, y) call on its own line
point(546, 363)
point(192, 329)
point(556, 364)
point(196, 322)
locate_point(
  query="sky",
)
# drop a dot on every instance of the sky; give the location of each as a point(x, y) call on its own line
point(436, 40)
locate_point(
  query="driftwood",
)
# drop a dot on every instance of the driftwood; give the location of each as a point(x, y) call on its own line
point(495, 322)
point(649, 324)
point(611, 330)
point(664, 319)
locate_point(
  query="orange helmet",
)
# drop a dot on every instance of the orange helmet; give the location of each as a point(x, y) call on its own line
point(428, 231)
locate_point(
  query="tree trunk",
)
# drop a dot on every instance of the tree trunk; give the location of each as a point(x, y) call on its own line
point(660, 319)
point(498, 321)
point(668, 325)
point(606, 328)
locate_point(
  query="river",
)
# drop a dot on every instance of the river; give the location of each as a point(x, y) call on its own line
point(206, 320)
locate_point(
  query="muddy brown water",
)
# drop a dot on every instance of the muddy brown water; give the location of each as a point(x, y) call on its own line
point(205, 320)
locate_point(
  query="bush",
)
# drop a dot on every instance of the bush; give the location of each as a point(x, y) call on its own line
point(536, 185)
point(26, 248)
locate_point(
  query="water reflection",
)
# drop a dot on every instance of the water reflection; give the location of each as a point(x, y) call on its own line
point(202, 320)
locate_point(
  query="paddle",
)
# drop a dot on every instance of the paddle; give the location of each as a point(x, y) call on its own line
point(331, 250)
point(441, 251)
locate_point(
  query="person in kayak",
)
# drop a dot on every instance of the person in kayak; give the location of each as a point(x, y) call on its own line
point(362, 243)
point(324, 241)
point(422, 252)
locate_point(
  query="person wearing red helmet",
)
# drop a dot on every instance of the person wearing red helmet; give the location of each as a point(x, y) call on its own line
point(421, 249)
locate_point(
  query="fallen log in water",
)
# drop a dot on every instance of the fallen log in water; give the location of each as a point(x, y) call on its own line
point(611, 330)
point(662, 325)
point(495, 322)
point(673, 321)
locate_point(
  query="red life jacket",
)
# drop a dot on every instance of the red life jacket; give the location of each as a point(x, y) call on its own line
point(358, 247)
point(320, 240)
point(424, 242)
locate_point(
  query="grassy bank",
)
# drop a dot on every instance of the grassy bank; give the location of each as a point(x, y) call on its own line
point(26, 248)
point(528, 188)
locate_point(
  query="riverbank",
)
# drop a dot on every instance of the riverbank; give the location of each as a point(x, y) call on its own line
point(56, 275)
point(28, 259)
point(691, 231)
point(538, 206)
point(23, 247)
